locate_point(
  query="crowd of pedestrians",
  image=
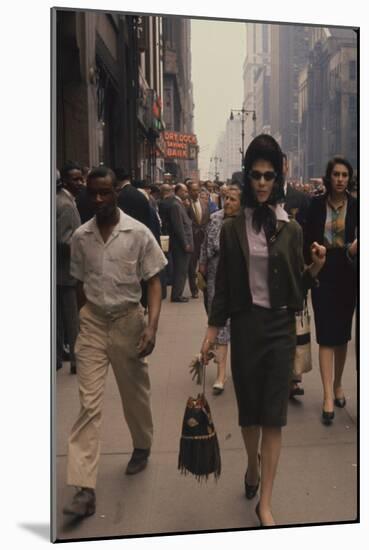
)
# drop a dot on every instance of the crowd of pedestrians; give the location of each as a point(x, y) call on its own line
point(255, 249)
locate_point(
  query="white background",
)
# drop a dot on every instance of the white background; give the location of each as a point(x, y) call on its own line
point(25, 269)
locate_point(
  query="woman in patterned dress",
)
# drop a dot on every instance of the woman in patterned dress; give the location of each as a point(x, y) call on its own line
point(208, 266)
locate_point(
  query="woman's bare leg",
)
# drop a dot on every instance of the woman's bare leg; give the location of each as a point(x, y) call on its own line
point(270, 452)
point(221, 355)
point(340, 353)
point(251, 438)
point(326, 356)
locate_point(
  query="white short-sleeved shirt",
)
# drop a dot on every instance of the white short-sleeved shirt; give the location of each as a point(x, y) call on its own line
point(111, 272)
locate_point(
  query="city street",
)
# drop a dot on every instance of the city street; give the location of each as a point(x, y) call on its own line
point(316, 480)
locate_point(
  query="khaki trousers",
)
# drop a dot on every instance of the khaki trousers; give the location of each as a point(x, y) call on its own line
point(105, 339)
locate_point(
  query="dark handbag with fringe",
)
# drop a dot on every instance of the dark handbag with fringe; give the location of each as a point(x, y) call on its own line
point(199, 451)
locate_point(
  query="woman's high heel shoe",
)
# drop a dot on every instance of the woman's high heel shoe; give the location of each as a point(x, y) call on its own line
point(327, 417)
point(218, 387)
point(340, 402)
point(251, 490)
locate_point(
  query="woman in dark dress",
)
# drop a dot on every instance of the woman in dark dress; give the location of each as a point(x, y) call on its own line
point(261, 282)
point(332, 222)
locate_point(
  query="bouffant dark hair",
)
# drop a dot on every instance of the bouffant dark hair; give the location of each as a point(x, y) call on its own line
point(263, 147)
point(330, 167)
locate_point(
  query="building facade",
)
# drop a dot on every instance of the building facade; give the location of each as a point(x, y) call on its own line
point(290, 52)
point(228, 151)
point(256, 80)
point(178, 90)
point(109, 88)
point(328, 101)
point(302, 84)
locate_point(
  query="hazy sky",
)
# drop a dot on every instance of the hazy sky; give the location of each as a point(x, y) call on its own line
point(218, 52)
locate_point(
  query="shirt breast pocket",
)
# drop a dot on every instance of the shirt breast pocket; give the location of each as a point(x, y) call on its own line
point(93, 264)
point(124, 272)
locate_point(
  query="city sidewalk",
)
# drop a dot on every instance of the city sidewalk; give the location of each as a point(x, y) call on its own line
point(317, 476)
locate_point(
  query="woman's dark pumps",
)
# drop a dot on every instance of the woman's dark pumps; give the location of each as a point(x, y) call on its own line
point(251, 490)
point(340, 402)
point(327, 417)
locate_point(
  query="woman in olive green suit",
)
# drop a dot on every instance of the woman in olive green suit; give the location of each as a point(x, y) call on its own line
point(261, 282)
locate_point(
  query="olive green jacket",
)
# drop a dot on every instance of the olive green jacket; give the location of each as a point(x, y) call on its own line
point(287, 277)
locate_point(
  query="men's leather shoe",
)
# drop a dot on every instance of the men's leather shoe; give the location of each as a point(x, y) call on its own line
point(83, 504)
point(180, 300)
point(296, 389)
point(138, 461)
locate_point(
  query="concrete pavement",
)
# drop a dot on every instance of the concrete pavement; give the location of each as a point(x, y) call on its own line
point(317, 476)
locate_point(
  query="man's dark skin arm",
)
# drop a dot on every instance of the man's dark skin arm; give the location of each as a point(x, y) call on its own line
point(147, 340)
point(81, 297)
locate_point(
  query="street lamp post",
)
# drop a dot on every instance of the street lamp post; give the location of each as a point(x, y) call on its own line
point(216, 160)
point(243, 113)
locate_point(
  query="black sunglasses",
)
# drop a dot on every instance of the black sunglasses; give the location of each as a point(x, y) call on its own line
point(268, 176)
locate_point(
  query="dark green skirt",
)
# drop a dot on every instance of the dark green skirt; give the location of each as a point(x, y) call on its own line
point(263, 343)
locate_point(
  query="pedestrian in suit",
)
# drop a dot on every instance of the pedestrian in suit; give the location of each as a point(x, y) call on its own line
point(155, 222)
point(200, 215)
point(222, 193)
point(164, 204)
point(214, 196)
point(130, 200)
point(180, 242)
point(134, 204)
point(84, 206)
point(296, 204)
point(332, 221)
point(260, 283)
point(67, 221)
point(83, 202)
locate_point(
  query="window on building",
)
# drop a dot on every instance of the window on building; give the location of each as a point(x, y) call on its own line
point(352, 104)
point(265, 39)
point(352, 70)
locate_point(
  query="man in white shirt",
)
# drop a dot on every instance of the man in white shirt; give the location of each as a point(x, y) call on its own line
point(111, 254)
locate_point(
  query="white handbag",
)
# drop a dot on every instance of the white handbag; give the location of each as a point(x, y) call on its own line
point(303, 360)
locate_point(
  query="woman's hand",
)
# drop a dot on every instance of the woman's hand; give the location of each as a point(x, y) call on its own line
point(318, 255)
point(208, 343)
point(203, 270)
